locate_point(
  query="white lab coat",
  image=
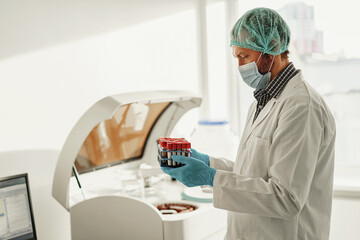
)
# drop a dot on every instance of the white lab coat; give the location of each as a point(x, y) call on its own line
point(280, 186)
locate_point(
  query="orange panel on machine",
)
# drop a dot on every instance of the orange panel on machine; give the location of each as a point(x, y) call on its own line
point(120, 138)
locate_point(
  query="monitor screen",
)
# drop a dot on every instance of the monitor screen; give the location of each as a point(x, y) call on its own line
point(16, 217)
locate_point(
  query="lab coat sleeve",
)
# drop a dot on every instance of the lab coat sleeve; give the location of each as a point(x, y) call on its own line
point(292, 160)
point(221, 163)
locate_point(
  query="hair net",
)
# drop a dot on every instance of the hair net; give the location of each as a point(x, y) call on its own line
point(261, 29)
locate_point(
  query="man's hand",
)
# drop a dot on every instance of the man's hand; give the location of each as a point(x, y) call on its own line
point(194, 173)
point(200, 156)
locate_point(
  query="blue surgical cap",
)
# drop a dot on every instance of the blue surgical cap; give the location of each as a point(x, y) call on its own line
point(261, 29)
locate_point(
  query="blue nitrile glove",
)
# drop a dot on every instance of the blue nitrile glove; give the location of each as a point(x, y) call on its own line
point(200, 156)
point(194, 173)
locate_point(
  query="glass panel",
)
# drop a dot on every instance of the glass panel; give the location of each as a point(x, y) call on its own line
point(119, 139)
point(326, 50)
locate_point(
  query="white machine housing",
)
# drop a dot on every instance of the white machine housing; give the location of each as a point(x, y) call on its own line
point(125, 217)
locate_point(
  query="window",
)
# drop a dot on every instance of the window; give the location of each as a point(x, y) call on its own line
point(325, 47)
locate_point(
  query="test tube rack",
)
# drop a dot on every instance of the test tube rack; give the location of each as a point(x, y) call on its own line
point(172, 146)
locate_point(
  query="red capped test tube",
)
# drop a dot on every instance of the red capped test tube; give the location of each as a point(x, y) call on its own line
point(183, 148)
point(188, 147)
point(169, 146)
point(178, 149)
point(173, 146)
point(162, 142)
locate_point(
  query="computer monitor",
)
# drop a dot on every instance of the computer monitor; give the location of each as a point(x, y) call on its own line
point(16, 215)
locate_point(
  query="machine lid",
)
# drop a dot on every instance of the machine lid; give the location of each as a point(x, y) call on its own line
point(119, 129)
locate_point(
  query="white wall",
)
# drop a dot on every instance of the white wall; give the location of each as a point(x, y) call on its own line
point(345, 218)
point(46, 88)
point(30, 25)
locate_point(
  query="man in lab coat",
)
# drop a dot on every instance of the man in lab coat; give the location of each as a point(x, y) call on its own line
point(280, 186)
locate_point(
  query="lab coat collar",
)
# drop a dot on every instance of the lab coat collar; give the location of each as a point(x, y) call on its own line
point(287, 91)
point(290, 86)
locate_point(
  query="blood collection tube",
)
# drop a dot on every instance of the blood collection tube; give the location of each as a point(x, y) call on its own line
point(174, 149)
point(173, 163)
point(188, 146)
point(164, 153)
point(173, 146)
point(178, 149)
point(175, 152)
point(183, 143)
point(163, 147)
point(169, 153)
point(183, 148)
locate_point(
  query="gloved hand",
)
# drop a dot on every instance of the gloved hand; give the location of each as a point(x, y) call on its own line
point(200, 156)
point(193, 173)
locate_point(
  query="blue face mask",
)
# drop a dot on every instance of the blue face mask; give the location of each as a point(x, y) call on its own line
point(251, 76)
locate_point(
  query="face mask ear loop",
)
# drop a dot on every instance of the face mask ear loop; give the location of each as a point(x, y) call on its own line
point(259, 57)
point(271, 63)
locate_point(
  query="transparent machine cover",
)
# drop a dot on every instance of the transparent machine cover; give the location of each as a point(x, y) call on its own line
point(119, 139)
point(119, 129)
